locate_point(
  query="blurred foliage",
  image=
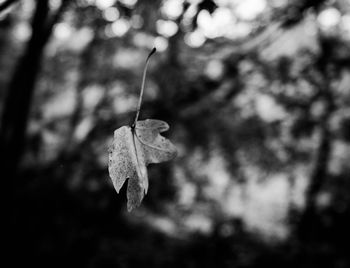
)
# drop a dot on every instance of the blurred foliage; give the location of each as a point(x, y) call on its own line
point(257, 97)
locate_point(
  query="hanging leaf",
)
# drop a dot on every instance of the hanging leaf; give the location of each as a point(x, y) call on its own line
point(132, 150)
point(136, 146)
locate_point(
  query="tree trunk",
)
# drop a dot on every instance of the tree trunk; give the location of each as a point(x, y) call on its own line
point(309, 220)
point(21, 88)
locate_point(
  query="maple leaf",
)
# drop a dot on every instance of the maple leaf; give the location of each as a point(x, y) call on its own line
point(136, 146)
point(132, 150)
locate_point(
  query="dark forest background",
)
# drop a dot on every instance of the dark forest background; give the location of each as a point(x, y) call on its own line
point(257, 97)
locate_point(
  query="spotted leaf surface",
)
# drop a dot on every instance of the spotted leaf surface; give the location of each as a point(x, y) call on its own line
point(132, 150)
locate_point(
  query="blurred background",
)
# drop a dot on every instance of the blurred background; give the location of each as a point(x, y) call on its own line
point(256, 93)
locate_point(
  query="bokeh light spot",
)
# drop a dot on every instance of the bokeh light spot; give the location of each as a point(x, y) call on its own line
point(195, 39)
point(120, 27)
point(22, 31)
point(167, 27)
point(128, 3)
point(103, 4)
point(161, 43)
point(250, 9)
point(62, 31)
point(172, 8)
point(329, 18)
point(214, 69)
point(111, 14)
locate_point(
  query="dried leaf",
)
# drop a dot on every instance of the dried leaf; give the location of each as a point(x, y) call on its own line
point(132, 150)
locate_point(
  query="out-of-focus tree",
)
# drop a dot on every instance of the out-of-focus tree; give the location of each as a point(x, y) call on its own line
point(21, 86)
point(257, 96)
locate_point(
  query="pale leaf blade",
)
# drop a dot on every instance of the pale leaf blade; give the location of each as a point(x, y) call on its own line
point(156, 148)
point(152, 124)
point(141, 160)
point(122, 161)
point(132, 150)
point(135, 193)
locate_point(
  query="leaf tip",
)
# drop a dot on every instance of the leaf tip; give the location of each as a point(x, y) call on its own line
point(131, 205)
point(129, 208)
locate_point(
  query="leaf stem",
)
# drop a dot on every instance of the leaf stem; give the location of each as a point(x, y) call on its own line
point(142, 88)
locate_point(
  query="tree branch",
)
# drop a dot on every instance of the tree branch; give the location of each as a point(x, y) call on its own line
point(6, 5)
